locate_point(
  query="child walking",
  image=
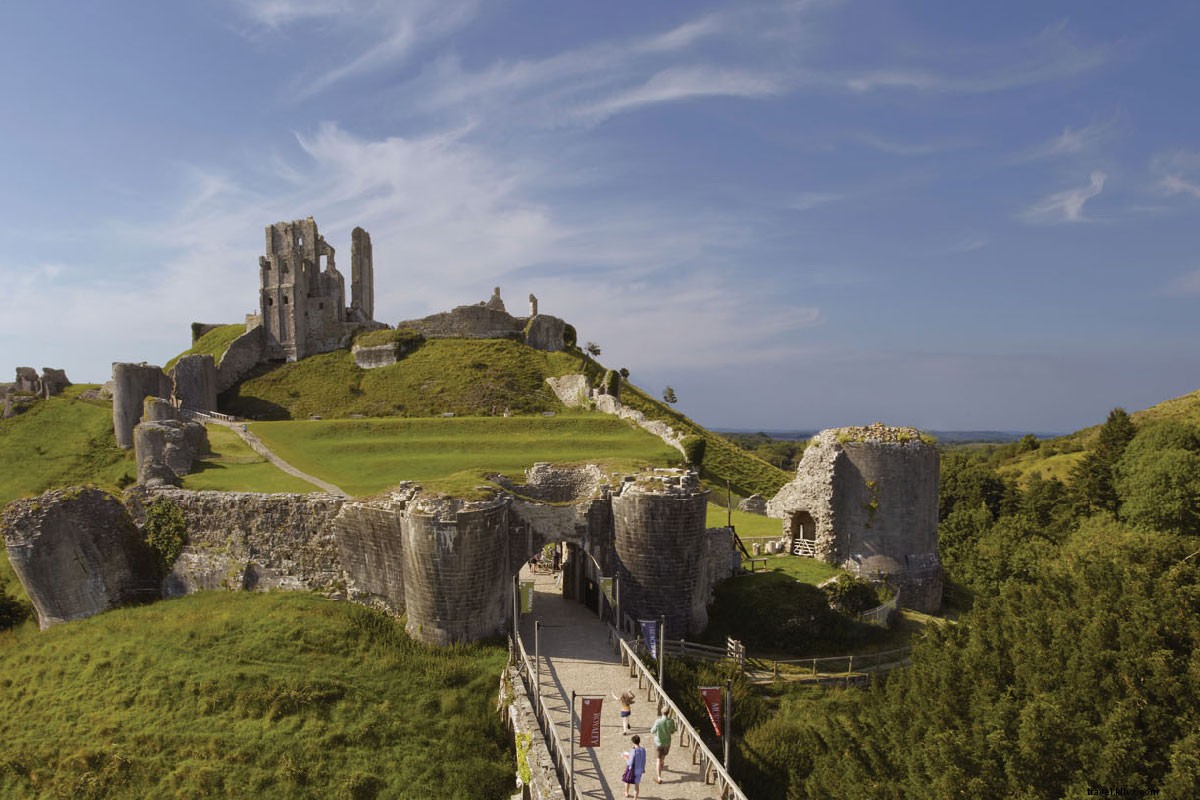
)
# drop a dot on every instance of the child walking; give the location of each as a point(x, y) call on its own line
point(626, 700)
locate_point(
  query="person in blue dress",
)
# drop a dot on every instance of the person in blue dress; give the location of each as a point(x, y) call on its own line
point(635, 765)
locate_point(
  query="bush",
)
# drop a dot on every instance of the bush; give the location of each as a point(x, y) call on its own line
point(612, 383)
point(693, 450)
point(12, 611)
point(570, 337)
point(850, 595)
point(165, 532)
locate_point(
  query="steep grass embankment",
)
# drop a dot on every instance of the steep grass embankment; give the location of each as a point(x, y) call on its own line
point(723, 460)
point(452, 455)
point(467, 377)
point(224, 694)
point(233, 467)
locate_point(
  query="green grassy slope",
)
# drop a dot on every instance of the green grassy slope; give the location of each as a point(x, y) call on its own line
point(452, 454)
point(213, 343)
point(723, 460)
point(460, 376)
point(233, 466)
point(225, 694)
point(1058, 456)
point(60, 442)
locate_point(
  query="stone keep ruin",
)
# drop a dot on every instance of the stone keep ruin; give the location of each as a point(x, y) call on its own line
point(866, 499)
point(447, 563)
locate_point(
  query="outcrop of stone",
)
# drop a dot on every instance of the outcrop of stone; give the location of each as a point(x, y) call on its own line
point(754, 504)
point(156, 409)
point(133, 383)
point(383, 355)
point(51, 383)
point(77, 553)
point(548, 483)
point(661, 546)
point(166, 450)
point(544, 332)
point(195, 382)
point(867, 499)
point(241, 540)
point(573, 391)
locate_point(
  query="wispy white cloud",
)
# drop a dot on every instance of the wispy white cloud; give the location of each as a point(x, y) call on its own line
point(908, 148)
point(806, 201)
point(1185, 285)
point(1072, 141)
point(682, 83)
point(1053, 54)
point(1067, 205)
point(1177, 184)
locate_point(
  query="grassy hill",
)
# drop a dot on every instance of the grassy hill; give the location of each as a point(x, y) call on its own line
point(224, 694)
point(467, 377)
point(59, 442)
point(213, 343)
point(1056, 457)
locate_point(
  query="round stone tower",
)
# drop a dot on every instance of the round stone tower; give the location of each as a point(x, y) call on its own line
point(660, 544)
point(866, 498)
point(455, 569)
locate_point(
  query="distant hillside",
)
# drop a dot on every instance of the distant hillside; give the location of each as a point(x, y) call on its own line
point(1055, 457)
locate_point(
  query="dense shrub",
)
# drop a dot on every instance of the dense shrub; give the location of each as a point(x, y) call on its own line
point(850, 595)
point(165, 532)
point(570, 337)
point(12, 611)
point(693, 449)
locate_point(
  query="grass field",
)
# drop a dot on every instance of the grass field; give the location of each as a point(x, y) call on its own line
point(451, 455)
point(752, 525)
point(235, 694)
point(1057, 466)
point(233, 466)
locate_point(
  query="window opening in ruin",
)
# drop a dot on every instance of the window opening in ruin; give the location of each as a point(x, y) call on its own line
point(321, 306)
point(285, 300)
point(270, 301)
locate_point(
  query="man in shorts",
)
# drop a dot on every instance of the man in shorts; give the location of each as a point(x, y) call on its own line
point(662, 730)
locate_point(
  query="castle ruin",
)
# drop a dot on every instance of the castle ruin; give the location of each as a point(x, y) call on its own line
point(302, 296)
point(866, 499)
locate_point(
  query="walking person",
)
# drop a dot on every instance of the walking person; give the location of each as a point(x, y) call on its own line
point(635, 767)
point(662, 730)
point(626, 700)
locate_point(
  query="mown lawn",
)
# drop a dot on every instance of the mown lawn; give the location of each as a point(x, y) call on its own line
point(248, 695)
point(454, 454)
point(746, 525)
point(234, 467)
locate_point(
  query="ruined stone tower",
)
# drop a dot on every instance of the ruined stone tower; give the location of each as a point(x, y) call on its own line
point(362, 277)
point(866, 499)
point(302, 301)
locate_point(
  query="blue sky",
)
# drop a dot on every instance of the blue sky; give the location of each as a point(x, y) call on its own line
point(797, 214)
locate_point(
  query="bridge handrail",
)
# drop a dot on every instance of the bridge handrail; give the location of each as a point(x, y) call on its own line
point(708, 761)
point(558, 750)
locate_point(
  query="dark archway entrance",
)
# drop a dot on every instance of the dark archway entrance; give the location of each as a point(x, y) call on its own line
point(804, 534)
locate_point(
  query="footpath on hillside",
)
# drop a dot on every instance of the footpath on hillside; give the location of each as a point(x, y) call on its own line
point(259, 447)
point(575, 655)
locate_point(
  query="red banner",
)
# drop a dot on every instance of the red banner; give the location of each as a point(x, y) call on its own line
point(589, 722)
point(712, 702)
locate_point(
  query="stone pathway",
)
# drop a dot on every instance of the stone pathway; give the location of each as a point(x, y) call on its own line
point(259, 447)
point(575, 655)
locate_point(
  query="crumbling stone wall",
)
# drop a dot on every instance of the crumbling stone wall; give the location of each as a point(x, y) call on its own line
point(362, 276)
point(370, 541)
point(51, 383)
point(241, 540)
point(870, 495)
point(243, 354)
point(77, 553)
point(131, 384)
point(489, 320)
point(195, 382)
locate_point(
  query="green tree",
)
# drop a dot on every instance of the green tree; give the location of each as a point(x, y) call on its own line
point(592, 349)
point(1158, 479)
point(1093, 477)
point(668, 396)
point(12, 611)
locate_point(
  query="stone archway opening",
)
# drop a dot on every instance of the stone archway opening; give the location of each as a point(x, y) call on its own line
point(804, 534)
